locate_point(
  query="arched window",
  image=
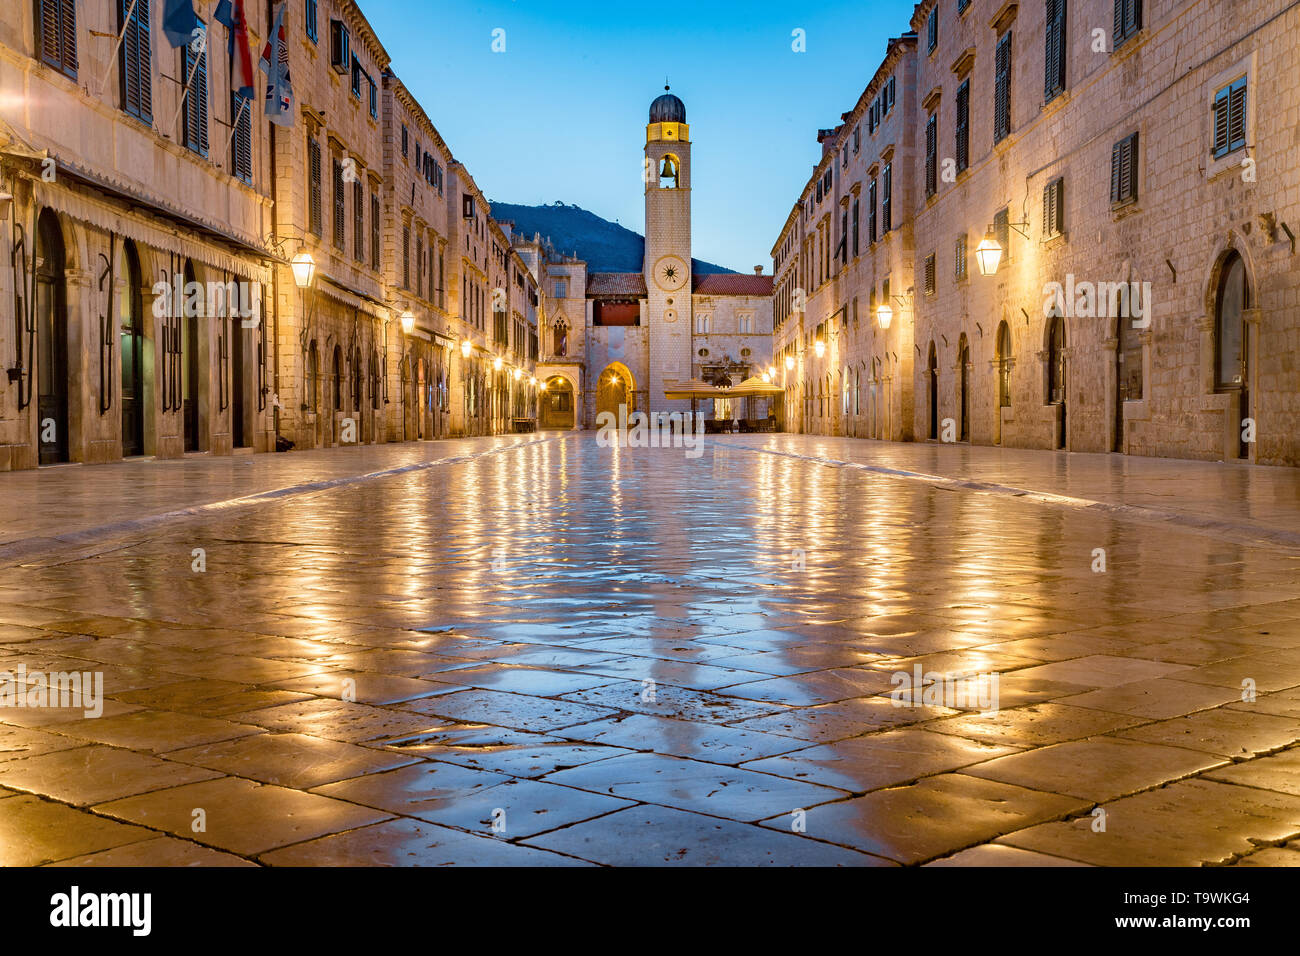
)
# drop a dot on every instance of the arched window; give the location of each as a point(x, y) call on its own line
point(358, 381)
point(932, 367)
point(1231, 303)
point(561, 341)
point(374, 379)
point(1004, 365)
point(1056, 361)
point(670, 172)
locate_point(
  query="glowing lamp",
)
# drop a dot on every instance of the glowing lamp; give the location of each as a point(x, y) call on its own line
point(304, 270)
point(466, 346)
point(408, 322)
point(789, 363)
point(819, 347)
point(988, 254)
point(886, 315)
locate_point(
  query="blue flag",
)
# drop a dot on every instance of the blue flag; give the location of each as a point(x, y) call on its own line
point(179, 22)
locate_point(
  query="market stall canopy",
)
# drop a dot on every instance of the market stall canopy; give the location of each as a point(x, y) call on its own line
point(750, 388)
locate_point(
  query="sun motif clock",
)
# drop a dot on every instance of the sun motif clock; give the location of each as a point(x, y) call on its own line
point(671, 273)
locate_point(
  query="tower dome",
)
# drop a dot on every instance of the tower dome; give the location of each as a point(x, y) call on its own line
point(667, 109)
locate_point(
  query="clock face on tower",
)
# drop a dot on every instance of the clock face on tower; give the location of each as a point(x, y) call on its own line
point(671, 273)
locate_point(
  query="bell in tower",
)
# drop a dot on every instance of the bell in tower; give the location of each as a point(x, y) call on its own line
point(668, 173)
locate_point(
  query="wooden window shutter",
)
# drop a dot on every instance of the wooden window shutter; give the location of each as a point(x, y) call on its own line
point(340, 206)
point(929, 274)
point(963, 125)
point(136, 61)
point(1221, 123)
point(359, 221)
point(374, 232)
point(931, 155)
point(1054, 59)
point(1237, 114)
point(241, 143)
point(196, 101)
point(314, 198)
point(1002, 89)
point(1123, 170)
point(57, 40)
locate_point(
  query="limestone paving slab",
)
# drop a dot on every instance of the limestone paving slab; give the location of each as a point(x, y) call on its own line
point(406, 842)
point(94, 774)
point(681, 738)
point(658, 836)
point(934, 817)
point(241, 816)
point(35, 831)
point(736, 794)
point(158, 852)
point(290, 760)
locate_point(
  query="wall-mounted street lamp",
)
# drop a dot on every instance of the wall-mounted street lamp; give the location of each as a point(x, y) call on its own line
point(988, 254)
point(533, 382)
point(496, 364)
point(408, 322)
point(771, 372)
point(466, 346)
point(518, 373)
point(819, 347)
point(884, 315)
point(304, 270)
point(789, 363)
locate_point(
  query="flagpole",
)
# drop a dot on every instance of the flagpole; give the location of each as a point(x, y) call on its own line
point(117, 47)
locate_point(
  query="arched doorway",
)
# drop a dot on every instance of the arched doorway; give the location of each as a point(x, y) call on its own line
point(51, 340)
point(421, 401)
point(1002, 361)
point(1056, 373)
point(933, 369)
point(963, 374)
point(190, 362)
point(1232, 340)
point(238, 385)
point(557, 403)
point(615, 388)
point(131, 319)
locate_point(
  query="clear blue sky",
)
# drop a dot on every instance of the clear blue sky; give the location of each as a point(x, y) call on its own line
point(561, 114)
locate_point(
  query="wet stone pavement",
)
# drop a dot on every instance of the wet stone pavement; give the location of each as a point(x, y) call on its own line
point(539, 651)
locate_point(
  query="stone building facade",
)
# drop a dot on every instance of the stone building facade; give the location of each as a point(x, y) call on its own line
point(150, 303)
point(1130, 163)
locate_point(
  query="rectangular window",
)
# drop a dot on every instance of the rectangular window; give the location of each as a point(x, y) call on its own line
point(406, 257)
point(929, 274)
point(889, 95)
point(374, 98)
point(357, 73)
point(871, 213)
point(340, 206)
point(1054, 208)
point(1123, 170)
point(1002, 231)
point(56, 36)
point(1002, 89)
point(963, 125)
point(195, 109)
point(359, 221)
point(931, 155)
point(135, 61)
point(1128, 21)
point(561, 289)
point(340, 47)
point(855, 228)
point(959, 258)
point(241, 141)
point(419, 266)
point(962, 5)
point(314, 188)
point(886, 202)
point(374, 231)
point(932, 29)
point(406, 135)
point(311, 19)
point(1054, 58)
point(1230, 118)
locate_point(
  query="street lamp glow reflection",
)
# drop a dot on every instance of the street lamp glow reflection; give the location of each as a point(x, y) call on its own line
point(304, 270)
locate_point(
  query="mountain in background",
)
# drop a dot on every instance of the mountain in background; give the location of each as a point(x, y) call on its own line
point(605, 246)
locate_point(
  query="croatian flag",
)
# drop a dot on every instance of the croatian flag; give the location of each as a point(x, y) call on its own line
point(179, 22)
point(275, 64)
point(233, 16)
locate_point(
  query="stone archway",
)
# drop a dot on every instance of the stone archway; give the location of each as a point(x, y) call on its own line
point(615, 387)
point(557, 404)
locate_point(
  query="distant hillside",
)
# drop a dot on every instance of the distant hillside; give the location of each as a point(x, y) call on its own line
point(605, 246)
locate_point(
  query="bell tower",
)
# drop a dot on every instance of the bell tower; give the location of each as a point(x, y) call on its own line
point(667, 263)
